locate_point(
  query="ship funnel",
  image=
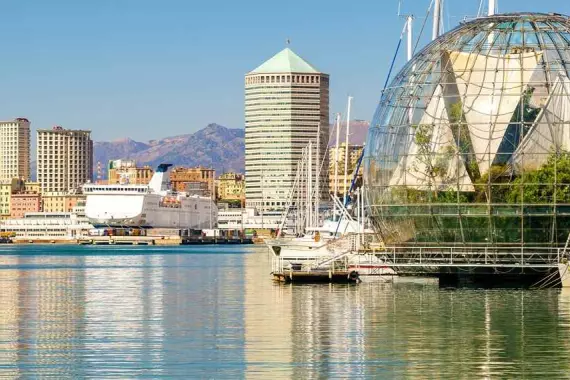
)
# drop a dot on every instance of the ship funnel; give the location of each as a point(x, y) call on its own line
point(159, 181)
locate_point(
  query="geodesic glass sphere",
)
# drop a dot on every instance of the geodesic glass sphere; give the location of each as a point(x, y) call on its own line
point(470, 143)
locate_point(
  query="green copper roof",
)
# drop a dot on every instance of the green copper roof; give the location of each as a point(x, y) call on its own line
point(286, 61)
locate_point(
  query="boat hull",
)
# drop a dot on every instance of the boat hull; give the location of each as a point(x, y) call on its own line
point(149, 211)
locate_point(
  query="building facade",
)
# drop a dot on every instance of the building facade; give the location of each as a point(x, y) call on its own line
point(24, 202)
point(61, 202)
point(354, 153)
point(5, 199)
point(15, 149)
point(231, 187)
point(64, 158)
point(286, 107)
point(24, 197)
point(180, 177)
point(127, 172)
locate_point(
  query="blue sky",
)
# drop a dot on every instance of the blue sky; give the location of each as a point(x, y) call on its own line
point(147, 69)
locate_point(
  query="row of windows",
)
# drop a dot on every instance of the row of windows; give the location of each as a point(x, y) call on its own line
point(288, 91)
point(289, 87)
point(121, 189)
point(282, 95)
point(284, 79)
point(311, 128)
point(260, 112)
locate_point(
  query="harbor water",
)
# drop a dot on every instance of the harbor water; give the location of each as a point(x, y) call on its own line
point(214, 312)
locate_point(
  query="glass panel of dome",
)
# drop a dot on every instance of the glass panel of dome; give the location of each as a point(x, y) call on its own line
point(516, 38)
point(504, 25)
point(530, 38)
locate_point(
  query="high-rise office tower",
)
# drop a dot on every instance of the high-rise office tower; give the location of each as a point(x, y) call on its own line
point(286, 107)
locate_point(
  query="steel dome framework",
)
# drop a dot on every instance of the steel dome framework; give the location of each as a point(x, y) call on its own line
point(470, 143)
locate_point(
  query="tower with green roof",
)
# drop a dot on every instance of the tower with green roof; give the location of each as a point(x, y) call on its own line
point(286, 106)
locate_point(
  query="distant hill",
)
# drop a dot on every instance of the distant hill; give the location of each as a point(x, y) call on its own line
point(213, 146)
point(357, 133)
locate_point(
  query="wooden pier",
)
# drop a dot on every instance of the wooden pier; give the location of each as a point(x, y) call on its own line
point(316, 276)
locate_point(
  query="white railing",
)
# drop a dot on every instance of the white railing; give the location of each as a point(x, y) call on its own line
point(472, 256)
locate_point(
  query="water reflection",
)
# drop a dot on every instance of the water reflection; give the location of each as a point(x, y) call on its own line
point(124, 315)
point(214, 313)
point(411, 330)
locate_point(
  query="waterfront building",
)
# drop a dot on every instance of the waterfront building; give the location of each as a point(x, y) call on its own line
point(354, 152)
point(64, 159)
point(181, 176)
point(127, 172)
point(61, 201)
point(469, 145)
point(24, 202)
point(8, 189)
point(5, 198)
point(25, 197)
point(286, 105)
point(15, 149)
point(231, 187)
point(248, 220)
point(47, 226)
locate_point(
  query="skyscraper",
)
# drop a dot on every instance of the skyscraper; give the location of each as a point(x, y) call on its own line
point(15, 149)
point(65, 159)
point(286, 105)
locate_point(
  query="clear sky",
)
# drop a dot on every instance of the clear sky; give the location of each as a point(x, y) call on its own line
point(154, 68)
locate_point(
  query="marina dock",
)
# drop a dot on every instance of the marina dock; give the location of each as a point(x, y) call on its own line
point(316, 276)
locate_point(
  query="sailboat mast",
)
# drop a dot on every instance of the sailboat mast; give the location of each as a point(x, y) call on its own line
point(318, 177)
point(362, 191)
point(346, 149)
point(335, 195)
point(309, 185)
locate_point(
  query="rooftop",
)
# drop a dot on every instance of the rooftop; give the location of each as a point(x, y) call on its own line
point(286, 61)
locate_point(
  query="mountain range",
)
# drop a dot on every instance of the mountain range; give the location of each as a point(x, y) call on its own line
point(213, 146)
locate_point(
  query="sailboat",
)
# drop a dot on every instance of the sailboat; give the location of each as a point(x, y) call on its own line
point(319, 243)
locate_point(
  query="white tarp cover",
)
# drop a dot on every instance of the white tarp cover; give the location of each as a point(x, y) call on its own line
point(412, 170)
point(551, 130)
point(491, 88)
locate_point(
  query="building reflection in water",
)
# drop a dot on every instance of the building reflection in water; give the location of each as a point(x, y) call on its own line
point(412, 330)
point(73, 316)
point(215, 315)
point(124, 314)
point(10, 313)
point(204, 314)
point(300, 331)
point(41, 302)
point(268, 320)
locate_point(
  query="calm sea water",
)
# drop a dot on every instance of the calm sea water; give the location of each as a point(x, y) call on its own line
point(213, 312)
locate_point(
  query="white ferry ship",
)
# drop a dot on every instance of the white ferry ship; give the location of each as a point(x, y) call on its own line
point(148, 206)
